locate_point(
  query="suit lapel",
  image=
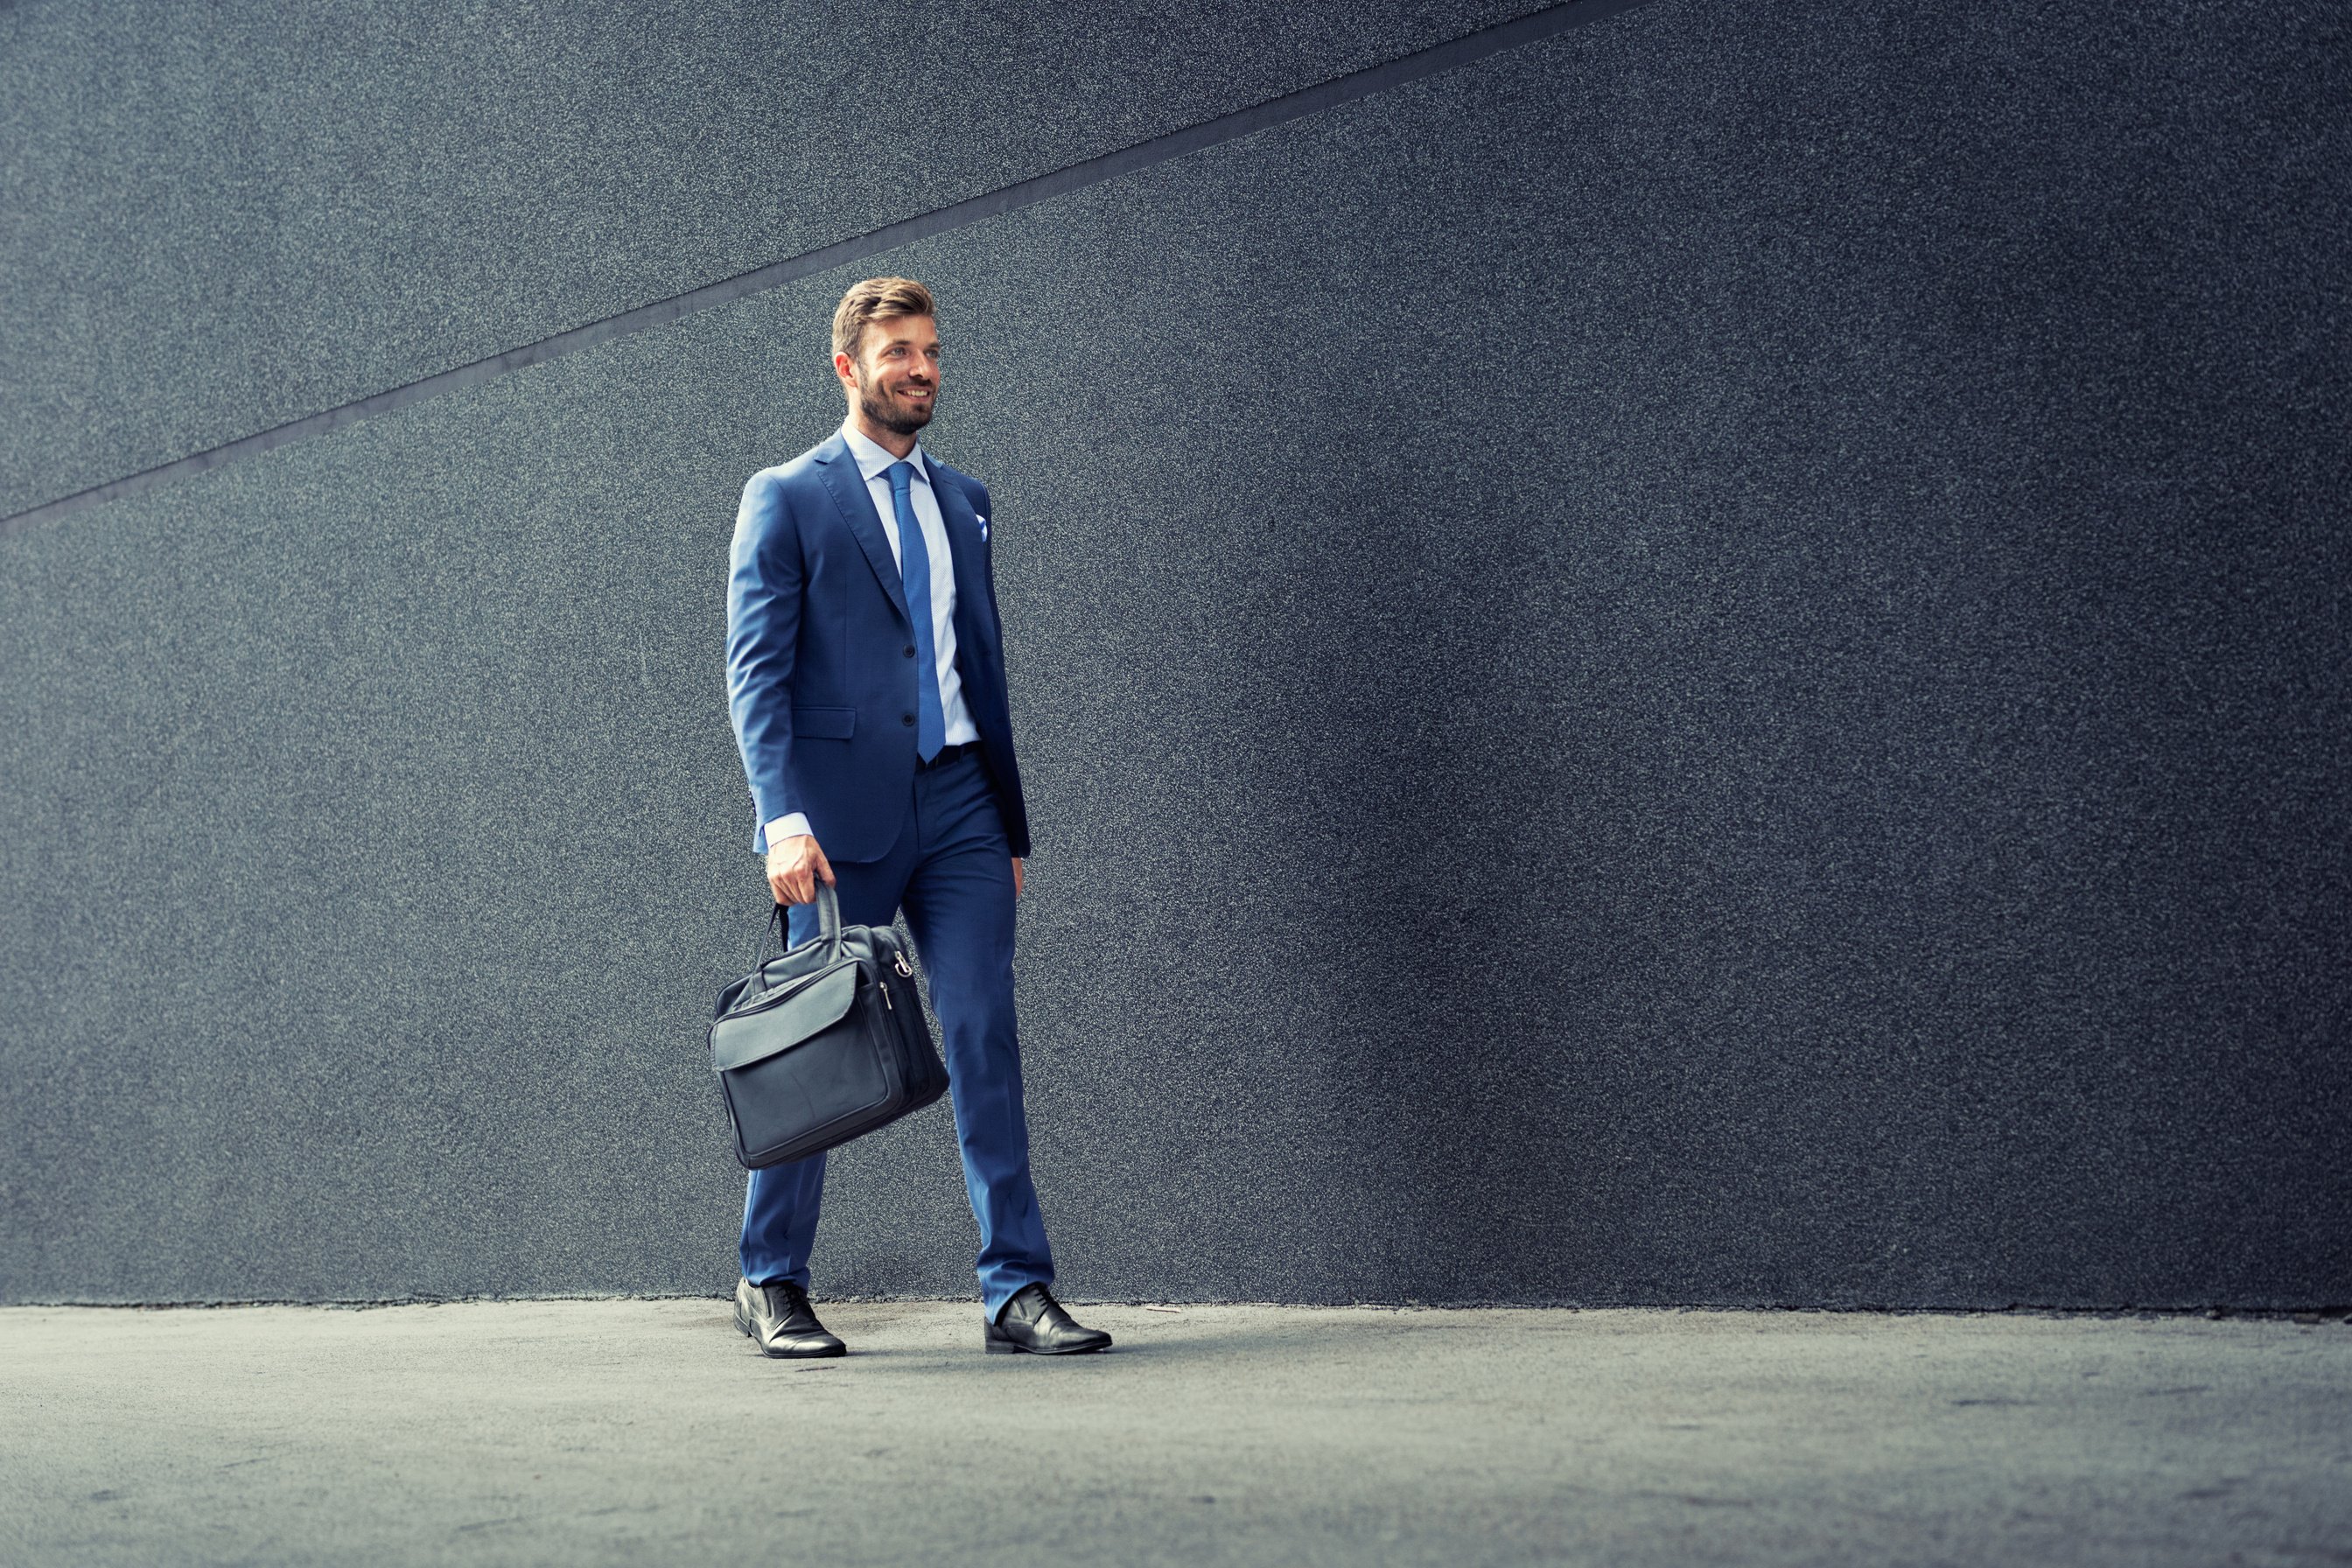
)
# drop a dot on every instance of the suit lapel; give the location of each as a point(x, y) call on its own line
point(842, 481)
point(963, 550)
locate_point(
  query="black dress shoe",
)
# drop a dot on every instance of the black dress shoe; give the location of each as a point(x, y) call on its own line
point(779, 1318)
point(1033, 1321)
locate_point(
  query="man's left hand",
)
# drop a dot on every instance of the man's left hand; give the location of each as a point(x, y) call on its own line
point(1016, 876)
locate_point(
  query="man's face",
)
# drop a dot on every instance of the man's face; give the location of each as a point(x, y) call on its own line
point(896, 375)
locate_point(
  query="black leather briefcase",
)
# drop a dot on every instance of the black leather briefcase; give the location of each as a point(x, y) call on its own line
point(824, 1043)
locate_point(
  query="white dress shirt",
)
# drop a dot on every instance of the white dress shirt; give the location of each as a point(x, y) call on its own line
point(874, 462)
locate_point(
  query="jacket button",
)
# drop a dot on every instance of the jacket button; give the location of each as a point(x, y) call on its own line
point(906, 718)
point(910, 651)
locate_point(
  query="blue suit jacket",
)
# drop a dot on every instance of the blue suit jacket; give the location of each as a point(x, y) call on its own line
point(820, 672)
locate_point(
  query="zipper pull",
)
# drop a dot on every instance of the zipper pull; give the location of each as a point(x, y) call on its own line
point(899, 959)
point(885, 997)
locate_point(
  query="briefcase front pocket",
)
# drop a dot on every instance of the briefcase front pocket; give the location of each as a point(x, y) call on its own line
point(803, 1095)
point(800, 1068)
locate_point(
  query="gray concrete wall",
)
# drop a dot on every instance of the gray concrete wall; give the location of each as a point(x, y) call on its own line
point(1704, 660)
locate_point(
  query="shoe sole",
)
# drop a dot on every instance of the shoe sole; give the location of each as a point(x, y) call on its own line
point(995, 1346)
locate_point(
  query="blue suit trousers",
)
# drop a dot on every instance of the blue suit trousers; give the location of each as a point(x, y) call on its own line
point(951, 867)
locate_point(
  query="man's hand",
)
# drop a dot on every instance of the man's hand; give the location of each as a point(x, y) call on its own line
point(794, 865)
point(1016, 876)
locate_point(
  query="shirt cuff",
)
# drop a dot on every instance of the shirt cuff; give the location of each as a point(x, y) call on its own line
point(787, 828)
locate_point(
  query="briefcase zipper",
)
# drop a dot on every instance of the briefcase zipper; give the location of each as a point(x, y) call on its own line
point(898, 962)
point(783, 994)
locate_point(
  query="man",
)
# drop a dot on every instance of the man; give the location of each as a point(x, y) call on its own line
point(866, 674)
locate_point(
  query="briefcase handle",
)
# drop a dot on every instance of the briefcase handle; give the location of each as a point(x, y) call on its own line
point(828, 924)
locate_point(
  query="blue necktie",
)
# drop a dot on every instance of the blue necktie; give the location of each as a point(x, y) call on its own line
point(915, 565)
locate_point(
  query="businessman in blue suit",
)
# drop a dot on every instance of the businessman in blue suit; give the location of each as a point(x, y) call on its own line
point(865, 675)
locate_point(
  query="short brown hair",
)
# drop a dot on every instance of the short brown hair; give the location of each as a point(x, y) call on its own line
point(872, 301)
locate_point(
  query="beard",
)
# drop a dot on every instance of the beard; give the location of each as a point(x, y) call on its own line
point(886, 411)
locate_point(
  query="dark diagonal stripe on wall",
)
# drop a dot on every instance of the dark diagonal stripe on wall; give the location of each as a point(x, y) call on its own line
point(1240, 123)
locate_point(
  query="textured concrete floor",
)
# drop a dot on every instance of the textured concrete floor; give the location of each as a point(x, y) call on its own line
point(648, 1432)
